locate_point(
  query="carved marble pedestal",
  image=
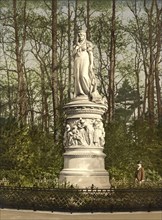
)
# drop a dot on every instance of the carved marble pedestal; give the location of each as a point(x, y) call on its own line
point(84, 141)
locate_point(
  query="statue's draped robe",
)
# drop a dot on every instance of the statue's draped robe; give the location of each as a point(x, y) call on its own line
point(83, 79)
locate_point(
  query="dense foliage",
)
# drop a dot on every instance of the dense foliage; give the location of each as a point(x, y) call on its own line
point(28, 155)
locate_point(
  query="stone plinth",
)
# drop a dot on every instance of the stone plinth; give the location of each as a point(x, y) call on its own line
point(84, 138)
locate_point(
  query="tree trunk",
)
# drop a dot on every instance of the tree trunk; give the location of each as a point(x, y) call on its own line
point(22, 96)
point(137, 71)
point(44, 111)
point(112, 66)
point(88, 20)
point(75, 22)
point(54, 75)
point(10, 104)
point(69, 51)
point(157, 62)
point(151, 67)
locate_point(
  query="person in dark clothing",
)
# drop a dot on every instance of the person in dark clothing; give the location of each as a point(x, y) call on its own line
point(140, 173)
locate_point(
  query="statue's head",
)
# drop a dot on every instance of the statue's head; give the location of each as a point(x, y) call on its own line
point(81, 35)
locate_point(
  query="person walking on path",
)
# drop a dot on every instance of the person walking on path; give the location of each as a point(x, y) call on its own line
point(140, 173)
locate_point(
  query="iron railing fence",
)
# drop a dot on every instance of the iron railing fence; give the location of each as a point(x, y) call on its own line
point(81, 200)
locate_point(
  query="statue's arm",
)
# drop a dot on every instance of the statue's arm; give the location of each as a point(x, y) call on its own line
point(76, 49)
point(91, 60)
point(90, 52)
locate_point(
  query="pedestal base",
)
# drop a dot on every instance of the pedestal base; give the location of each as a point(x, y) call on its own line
point(85, 179)
point(84, 136)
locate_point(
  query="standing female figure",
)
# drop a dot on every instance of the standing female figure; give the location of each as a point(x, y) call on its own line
point(83, 66)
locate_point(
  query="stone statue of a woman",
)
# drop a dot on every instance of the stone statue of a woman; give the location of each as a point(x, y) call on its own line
point(85, 82)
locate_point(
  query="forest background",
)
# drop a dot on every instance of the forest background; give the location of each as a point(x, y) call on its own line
point(36, 80)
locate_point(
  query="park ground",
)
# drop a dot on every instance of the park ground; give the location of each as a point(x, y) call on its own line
point(10, 214)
